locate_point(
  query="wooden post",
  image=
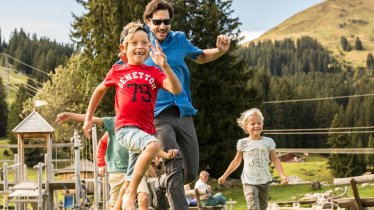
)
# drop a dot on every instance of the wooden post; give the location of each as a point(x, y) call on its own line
point(21, 151)
point(96, 180)
point(77, 170)
point(358, 202)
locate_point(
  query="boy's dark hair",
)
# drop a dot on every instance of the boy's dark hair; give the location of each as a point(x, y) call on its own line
point(155, 5)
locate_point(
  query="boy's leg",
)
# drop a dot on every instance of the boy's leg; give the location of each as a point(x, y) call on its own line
point(116, 180)
point(141, 166)
point(136, 141)
point(143, 195)
point(118, 205)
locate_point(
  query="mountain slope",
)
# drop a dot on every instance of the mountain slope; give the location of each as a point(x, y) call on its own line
point(328, 22)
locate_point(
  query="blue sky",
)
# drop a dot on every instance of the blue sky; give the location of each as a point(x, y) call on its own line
point(52, 18)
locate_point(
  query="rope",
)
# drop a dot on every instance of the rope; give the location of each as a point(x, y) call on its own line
point(317, 99)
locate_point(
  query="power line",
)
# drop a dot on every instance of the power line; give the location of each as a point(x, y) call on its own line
point(317, 99)
point(328, 150)
point(25, 64)
point(27, 86)
point(308, 133)
point(16, 71)
point(317, 129)
point(16, 89)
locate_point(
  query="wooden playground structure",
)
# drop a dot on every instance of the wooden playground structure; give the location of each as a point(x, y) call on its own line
point(42, 194)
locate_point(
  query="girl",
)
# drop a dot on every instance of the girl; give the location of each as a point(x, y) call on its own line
point(256, 150)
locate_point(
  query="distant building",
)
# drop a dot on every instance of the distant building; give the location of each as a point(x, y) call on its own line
point(291, 157)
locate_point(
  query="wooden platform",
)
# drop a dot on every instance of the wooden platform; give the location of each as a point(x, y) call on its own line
point(24, 189)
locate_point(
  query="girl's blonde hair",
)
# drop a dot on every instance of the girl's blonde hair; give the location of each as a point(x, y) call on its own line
point(243, 119)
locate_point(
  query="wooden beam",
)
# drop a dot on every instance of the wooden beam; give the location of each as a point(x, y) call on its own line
point(356, 195)
point(358, 179)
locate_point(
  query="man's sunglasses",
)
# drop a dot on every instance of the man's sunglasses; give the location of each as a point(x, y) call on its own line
point(158, 22)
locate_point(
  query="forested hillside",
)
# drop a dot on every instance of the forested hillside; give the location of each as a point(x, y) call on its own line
point(343, 27)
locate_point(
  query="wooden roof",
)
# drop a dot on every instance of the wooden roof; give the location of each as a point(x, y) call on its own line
point(34, 123)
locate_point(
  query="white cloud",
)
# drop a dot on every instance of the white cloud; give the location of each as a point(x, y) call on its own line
point(250, 35)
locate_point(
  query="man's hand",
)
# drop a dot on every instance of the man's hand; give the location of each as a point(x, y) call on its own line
point(63, 117)
point(223, 43)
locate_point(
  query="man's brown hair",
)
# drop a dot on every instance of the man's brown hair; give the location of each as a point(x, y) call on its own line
point(155, 5)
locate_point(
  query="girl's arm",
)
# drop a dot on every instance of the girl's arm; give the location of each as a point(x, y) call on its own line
point(96, 97)
point(100, 153)
point(171, 83)
point(278, 166)
point(232, 167)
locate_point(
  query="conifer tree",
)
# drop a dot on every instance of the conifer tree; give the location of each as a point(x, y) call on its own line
point(370, 61)
point(345, 45)
point(358, 44)
point(3, 109)
point(218, 88)
point(338, 163)
point(369, 158)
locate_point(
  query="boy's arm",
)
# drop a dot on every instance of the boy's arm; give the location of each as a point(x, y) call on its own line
point(70, 116)
point(100, 154)
point(151, 171)
point(278, 166)
point(171, 83)
point(223, 44)
point(232, 167)
point(96, 97)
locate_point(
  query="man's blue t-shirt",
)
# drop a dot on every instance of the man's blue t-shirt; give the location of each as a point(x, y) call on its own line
point(176, 47)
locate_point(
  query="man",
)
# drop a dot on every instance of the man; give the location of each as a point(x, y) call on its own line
point(209, 199)
point(173, 113)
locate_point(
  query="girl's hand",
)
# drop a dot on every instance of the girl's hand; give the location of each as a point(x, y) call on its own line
point(222, 180)
point(157, 55)
point(284, 180)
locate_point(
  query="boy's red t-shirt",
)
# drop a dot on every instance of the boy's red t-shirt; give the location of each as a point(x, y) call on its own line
point(136, 90)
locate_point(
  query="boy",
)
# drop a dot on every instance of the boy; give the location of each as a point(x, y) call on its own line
point(136, 88)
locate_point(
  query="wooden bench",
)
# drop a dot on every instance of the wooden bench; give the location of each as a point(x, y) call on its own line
point(199, 192)
point(355, 203)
